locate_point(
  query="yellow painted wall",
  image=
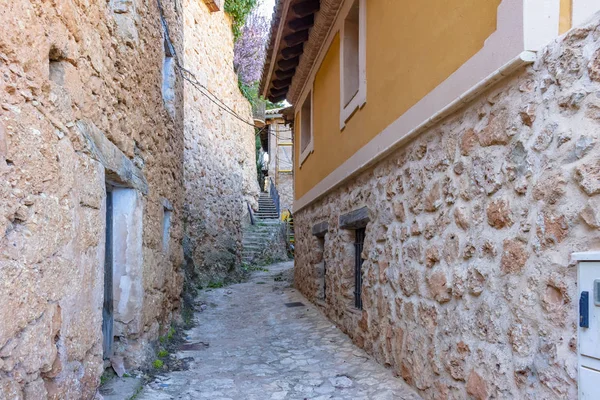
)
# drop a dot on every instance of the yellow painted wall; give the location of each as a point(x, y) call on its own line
point(412, 47)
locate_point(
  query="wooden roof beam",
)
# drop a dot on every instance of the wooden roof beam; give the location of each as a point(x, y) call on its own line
point(306, 8)
point(300, 24)
point(291, 52)
point(296, 38)
point(282, 83)
point(285, 74)
point(277, 99)
point(279, 92)
point(286, 65)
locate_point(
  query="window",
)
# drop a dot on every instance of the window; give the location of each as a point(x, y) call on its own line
point(353, 61)
point(168, 80)
point(321, 250)
point(306, 125)
point(166, 231)
point(358, 262)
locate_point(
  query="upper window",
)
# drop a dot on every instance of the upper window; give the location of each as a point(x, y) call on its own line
point(353, 60)
point(306, 127)
point(168, 80)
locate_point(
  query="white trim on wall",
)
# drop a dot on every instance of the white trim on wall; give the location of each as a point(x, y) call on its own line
point(523, 27)
point(400, 131)
point(360, 98)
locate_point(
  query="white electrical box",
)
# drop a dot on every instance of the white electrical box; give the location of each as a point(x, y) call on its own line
point(588, 343)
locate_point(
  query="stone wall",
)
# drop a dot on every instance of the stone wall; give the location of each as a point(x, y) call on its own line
point(469, 290)
point(219, 159)
point(285, 187)
point(80, 107)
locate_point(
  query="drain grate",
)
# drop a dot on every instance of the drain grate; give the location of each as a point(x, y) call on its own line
point(294, 304)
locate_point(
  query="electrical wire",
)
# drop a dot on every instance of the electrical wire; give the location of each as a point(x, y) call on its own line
point(191, 78)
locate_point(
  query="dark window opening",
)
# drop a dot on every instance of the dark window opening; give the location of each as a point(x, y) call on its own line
point(321, 241)
point(358, 262)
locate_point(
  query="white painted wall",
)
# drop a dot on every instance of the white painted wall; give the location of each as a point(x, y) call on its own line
point(127, 261)
point(583, 10)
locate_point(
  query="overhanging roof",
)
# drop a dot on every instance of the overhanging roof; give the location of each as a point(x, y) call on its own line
point(298, 29)
point(290, 26)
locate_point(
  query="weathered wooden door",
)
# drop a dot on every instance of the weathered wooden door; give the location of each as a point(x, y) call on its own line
point(107, 309)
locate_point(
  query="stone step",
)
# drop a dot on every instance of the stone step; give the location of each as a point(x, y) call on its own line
point(253, 247)
point(255, 241)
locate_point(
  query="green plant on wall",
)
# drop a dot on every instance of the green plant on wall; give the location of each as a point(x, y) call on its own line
point(239, 11)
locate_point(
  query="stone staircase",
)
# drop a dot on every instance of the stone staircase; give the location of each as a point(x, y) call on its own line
point(266, 208)
point(263, 240)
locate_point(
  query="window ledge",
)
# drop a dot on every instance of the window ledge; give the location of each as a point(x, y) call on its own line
point(358, 102)
point(304, 155)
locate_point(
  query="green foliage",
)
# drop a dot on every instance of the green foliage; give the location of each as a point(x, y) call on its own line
point(271, 105)
point(163, 353)
point(106, 376)
point(250, 92)
point(253, 268)
point(162, 339)
point(158, 364)
point(171, 333)
point(215, 285)
point(239, 11)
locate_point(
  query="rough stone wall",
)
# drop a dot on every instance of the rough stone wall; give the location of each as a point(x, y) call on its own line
point(80, 104)
point(285, 187)
point(469, 290)
point(220, 169)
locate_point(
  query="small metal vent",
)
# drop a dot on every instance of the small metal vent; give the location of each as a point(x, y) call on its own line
point(295, 304)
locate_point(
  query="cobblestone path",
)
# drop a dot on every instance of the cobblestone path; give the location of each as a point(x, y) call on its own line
point(259, 349)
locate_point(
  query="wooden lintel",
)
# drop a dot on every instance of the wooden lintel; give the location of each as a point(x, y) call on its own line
point(296, 38)
point(355, 219)
point(320, 229)
point(214, 5)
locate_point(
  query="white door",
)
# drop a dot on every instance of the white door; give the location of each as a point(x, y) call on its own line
point(589, 336)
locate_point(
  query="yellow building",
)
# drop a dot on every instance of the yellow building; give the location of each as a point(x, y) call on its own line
point(422, 130)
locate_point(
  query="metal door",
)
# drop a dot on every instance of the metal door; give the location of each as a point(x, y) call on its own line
point(107, 309)
point(358, 262)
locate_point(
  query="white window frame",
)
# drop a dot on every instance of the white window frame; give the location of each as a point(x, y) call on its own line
point(310, 147)
point(360, 99)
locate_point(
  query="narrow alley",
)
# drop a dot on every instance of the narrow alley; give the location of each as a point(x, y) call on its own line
point(262, 344)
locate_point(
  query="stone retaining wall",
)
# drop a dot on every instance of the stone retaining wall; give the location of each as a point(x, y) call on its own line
point(469, 290)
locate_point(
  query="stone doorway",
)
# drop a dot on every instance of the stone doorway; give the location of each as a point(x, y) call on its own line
point(123, 264)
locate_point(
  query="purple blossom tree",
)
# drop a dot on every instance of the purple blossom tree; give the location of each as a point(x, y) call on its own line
point(250, 48)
